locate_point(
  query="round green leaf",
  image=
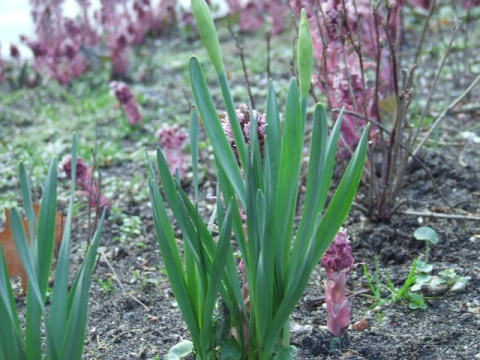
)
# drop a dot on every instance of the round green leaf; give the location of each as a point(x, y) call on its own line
point(426, 233)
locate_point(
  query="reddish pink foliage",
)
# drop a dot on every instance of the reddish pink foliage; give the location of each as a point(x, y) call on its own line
point(14, 52)
point(337, 261)
point(172, 141)
point(252, 14)
point(58, 41)
point(127, 100)
point(338, 306)
point(164, 15)
point(425, 4)
point(84, 179)
point(340, 76)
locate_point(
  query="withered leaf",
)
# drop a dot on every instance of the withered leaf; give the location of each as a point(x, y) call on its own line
point(7, 241)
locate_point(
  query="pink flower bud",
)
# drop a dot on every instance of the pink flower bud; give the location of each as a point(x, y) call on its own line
point(243, 114)
point(128, 102)
point(172, 140)
point(84, 179)
point(14, 52)
point(338, 261)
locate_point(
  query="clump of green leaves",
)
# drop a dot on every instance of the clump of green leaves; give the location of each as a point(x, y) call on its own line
point(277, 256)
point(66, 321)
point(446, 280)
point(395, 294)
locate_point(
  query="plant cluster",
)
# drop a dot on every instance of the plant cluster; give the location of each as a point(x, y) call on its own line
point(256, 200)
point(65, 321)
point(85, 180)
point(128, 102)
point(419, 285)
point(236, 288)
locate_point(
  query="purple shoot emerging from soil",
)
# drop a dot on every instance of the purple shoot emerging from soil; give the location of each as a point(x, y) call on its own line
point(172, 140)
point(127, 100)
point(84, 179)
point(338, 261)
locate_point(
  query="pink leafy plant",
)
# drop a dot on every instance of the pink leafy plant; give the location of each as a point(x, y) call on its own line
point(338, 261)
point(84, 179)
point(172, 140)
point(128, 102)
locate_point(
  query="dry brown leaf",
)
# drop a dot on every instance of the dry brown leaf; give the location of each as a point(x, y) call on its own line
point(361, 325)
point(14, 264)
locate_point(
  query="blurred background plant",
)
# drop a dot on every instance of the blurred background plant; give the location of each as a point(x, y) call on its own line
point(366, 63)
point(64, 47)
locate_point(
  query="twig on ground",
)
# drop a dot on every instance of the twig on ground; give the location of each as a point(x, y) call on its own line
point(440, 215)
point(244, 67)
point(268, 36)
point(433, 87)
point(117, 279)
point(445, 112)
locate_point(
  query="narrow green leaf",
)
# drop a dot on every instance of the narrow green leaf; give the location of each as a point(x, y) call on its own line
point(273, 145)
point(194, 149)
point(216, 275)
point(173, 264)
point(186, 225)
point(57, 321)
point(221, 147)
point(46, 228)
point(11, 346)
point(304, 56)
point(78, 300)
point(233, 118)
point(26, 190)
point(288, 181)
point(208, 33)
point(22, 247)
point(317, 178)
point(342, 200)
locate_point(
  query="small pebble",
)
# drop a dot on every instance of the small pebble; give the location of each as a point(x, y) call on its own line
point(128, 316)
point(298, 329)
point(459, 286)
point(360, 325)
point(466, 316)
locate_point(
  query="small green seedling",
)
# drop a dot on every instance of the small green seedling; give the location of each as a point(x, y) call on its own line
point(415, 301)
point(180, 350)
point(107, 285)
point(446, 280)
point(428, 235)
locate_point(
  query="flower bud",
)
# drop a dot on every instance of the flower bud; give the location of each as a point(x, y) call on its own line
point(208, 33)
point(304, 56)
